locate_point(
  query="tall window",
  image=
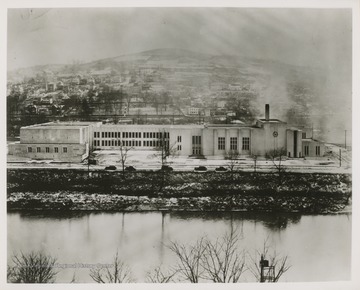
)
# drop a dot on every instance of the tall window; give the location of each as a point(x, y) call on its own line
point(233, 143)
point(304, 135)
point(179, 147)
point(64, 149)
point(47, 149)
point(179, 139)
point(306, 150)
point(38, 149)
point(29, 149)
point(317, 150)
point(196, 145)
point(221, 143)
point(56, 149)
point(245, 143)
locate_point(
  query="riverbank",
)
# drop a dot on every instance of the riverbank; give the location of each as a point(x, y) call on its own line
point(177, 191)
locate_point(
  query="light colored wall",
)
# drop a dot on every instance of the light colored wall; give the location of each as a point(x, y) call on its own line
point(299, 145)
point(271, 142)
point(312, 148)
point(50, 135)
point(75, 152)
point(261, 138)
point(258, 141)
point(208, 141)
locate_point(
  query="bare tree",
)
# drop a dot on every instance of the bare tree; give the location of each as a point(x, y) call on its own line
point(164, 148)
point(232, 156)
point(254, 157)
point(189, 260)
point(222, 262)
point(90, 160)
point(279, 264)
point(277, 156)
point(35, 267)
point(124, 150)
point(117, 272)
point(157, 275)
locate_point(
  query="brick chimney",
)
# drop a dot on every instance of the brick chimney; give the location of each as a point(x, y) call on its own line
point(267, 112)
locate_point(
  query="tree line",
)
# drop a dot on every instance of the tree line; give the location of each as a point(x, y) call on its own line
point(219, 261)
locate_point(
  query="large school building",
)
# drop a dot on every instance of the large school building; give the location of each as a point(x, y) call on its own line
point(72, 141)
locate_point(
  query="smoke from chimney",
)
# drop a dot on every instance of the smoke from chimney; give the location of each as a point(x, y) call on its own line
point(267, 112)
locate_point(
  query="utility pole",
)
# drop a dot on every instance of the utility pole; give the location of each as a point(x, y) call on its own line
point(340, 156)
point(345, 139)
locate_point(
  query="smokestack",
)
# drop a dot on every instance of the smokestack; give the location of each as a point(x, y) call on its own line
point(267, 112)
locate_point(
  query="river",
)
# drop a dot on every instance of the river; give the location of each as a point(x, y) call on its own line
point(318, 246)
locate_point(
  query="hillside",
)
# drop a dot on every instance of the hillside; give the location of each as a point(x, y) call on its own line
point(296, 94)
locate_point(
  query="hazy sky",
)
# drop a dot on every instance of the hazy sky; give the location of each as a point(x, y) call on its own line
point(318, 37)
point(305, 37)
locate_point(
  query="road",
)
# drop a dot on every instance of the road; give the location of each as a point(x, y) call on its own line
point(262, 166)
point(149, 160)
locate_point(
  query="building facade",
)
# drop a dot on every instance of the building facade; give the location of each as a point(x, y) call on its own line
point(66, 141)
point(313, 148)
point(72, 142)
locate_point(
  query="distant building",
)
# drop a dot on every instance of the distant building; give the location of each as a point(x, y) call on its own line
point(221, 104)
point(72, 141)
point(50, 87)
point(66, 141)
point(205, 140)
point(193, 111)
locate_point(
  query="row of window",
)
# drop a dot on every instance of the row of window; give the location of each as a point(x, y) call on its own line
point(153, 135)
point(234, 143)
point(47, 150)
point(128, 143)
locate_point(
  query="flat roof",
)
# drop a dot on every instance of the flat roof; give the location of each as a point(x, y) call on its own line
point(271, 121)
point(229, 126)
point(294, 129)
point(311, 140)
point(148, 126)
point(60, 125)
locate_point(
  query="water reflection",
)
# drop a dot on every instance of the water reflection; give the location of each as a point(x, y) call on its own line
point(273, 221)
point(311, 242)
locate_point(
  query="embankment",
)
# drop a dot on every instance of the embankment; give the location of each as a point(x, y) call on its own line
point(38, 189)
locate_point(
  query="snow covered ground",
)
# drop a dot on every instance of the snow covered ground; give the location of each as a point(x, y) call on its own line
point(150, 160)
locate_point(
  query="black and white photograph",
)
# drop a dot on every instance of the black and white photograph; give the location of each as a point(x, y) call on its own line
point(179, 144)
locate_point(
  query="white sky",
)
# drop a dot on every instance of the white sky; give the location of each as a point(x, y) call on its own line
point(306, 37)
point(318, 37)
